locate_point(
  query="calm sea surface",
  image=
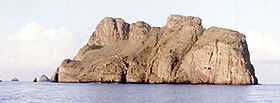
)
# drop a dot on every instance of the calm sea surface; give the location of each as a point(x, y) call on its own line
point(28, 92)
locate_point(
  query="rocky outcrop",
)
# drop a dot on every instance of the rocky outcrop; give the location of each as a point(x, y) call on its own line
point(35, 80)
point(44, 78)
point(182, 51)
point(54, 77)
point(15, 79)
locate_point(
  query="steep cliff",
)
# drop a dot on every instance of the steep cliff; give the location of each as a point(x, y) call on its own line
point(182, 51)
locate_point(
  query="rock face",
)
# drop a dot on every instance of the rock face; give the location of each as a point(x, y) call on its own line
point(43, 78)
point(182, 51)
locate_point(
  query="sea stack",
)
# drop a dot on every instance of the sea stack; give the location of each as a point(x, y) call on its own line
point(54, 77)
point(182, 52)
point(35, 80)
point(44, 78)
point(15, 79)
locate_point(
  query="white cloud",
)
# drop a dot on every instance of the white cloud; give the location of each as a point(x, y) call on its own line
point(35, 49)
point(34, 31)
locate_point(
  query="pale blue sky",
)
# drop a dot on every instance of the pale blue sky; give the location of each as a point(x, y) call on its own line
point(36, 35)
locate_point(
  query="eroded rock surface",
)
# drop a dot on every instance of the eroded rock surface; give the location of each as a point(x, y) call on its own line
point(182, 51)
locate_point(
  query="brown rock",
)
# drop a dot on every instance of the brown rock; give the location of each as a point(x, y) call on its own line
point(182, 51)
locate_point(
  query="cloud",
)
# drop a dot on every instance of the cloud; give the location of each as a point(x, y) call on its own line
point(35, 32)
point(263, 46)
point(35, 49)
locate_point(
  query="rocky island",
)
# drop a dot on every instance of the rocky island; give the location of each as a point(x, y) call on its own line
point(182, 51)
point(15, 79)
point(42, 78)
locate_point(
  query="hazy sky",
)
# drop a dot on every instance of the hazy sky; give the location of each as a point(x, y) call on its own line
point(36, 35)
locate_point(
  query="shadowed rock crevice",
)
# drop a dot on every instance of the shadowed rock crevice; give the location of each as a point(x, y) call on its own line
point(182, 51)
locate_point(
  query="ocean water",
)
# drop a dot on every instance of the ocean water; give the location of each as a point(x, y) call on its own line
point(29, 92)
